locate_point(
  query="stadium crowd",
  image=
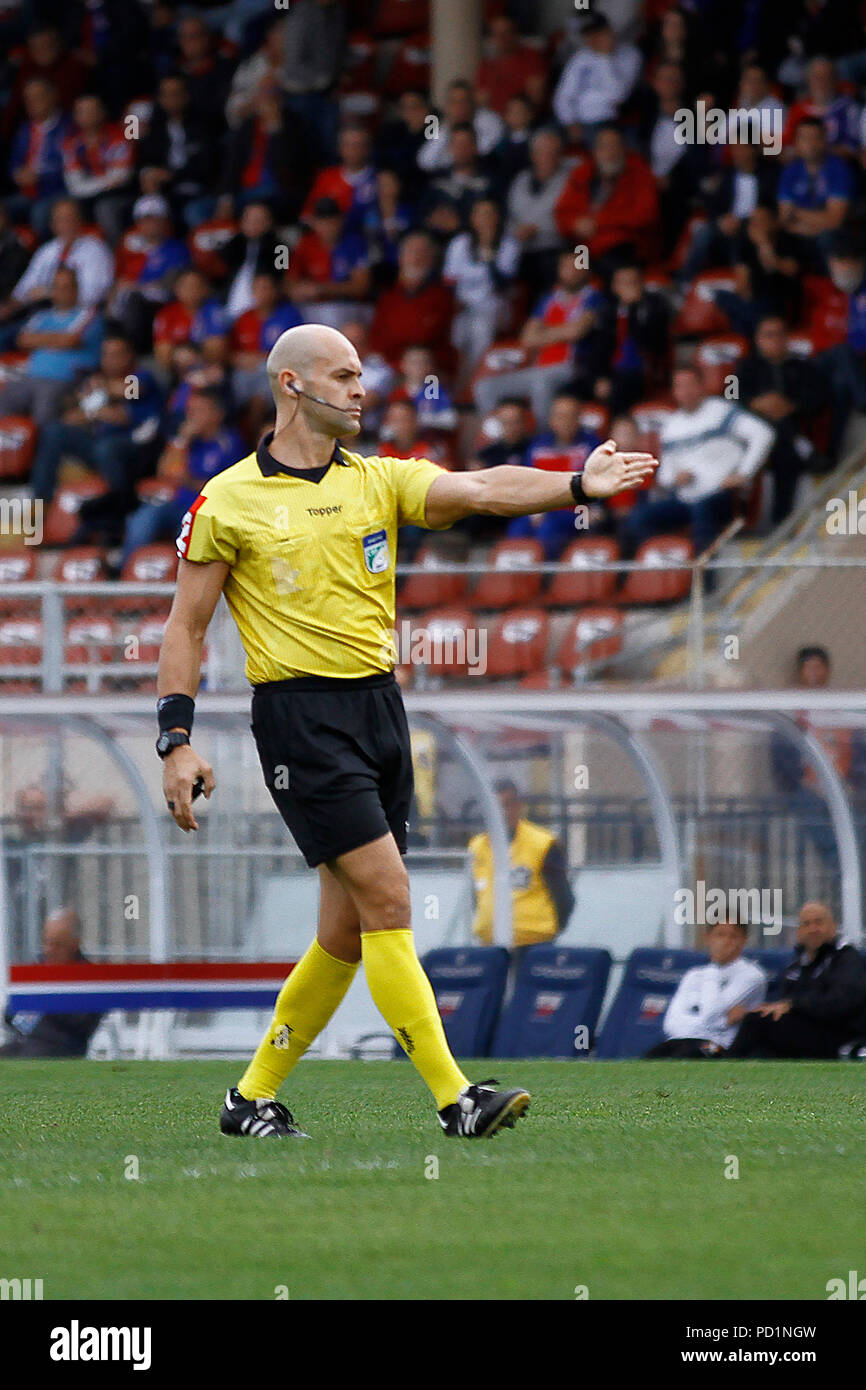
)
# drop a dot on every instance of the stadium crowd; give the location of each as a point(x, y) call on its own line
point(534, 265)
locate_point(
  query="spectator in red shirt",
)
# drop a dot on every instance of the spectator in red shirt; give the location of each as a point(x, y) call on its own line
point(351, 183)
point(329, 269)
point(417, 308)
point(511, 68)
point(610, 202)
point(562, 340)
point(98, 166)
point(824, 100)
point(194, 320)
point(401, 435)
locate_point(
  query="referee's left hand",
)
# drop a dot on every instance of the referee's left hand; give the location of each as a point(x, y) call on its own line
point(180, 772)
point(607, 471)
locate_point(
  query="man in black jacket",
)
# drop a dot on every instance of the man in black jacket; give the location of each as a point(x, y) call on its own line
point(823, 1003)
point(53, 1035)
point(634, 322)
point(786, 391)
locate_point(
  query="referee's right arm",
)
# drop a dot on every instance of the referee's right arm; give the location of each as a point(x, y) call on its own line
point(198, 589)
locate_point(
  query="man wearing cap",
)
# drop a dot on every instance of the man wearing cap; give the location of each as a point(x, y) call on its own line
point(148, 262)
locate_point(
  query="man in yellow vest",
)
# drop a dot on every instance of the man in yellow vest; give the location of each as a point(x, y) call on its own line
point(541, 895)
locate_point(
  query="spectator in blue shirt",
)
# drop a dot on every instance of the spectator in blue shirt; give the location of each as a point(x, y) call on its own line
point(62, 341)
point(203, 446)
point(565, 447)
point(253, 335)
point(36, 163)
point(148, 261)
point(112, 427)
point(814, 194)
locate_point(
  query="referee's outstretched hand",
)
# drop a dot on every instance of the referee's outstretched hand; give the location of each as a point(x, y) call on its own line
point(607, 471)
point(181, 770)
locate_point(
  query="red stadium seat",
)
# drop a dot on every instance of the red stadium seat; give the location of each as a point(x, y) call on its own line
point(17, 447)
point(90, 641)
point(580, 583)
point(360, 72)
point(824, 317)
point(507, 582)
point(699, 314)
point(594, 416)
point(81, 564)
point(543, 680)
point(150, 633)
point(717, 357)
point(648, 416)
point(433, 589)
point(206, 244)
point(11, 365)
point(655, 583)
point(61, 522)
point(591, 636)
point(19, 566)
point(517, 643)
point(442, 641)
point(506, 355)
point(152, 564)
point(410, 66)
point(20, 641)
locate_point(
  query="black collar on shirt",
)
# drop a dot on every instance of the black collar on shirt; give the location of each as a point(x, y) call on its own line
point(269, 466)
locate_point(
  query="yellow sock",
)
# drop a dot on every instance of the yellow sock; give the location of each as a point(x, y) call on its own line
point(404, 997)
point(306, 1002)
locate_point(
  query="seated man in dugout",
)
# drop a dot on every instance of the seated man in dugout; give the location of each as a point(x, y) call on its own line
point(701, 1019)
point(823, 1004)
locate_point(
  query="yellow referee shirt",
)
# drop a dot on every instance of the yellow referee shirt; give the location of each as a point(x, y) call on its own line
point(311, 584)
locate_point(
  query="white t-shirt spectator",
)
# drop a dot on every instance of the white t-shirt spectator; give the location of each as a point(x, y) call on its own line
point(88, 256)
point(435, 154)
point(594, 85)
point(707, 993)
point(471, 277)
point(717, 440)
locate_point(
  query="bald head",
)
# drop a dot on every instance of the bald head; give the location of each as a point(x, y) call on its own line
point(61, 936)
point(300, 351)
point(816, 926)
point(319, 362)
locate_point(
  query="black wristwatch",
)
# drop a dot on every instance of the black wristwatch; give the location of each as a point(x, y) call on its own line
point(166, 742)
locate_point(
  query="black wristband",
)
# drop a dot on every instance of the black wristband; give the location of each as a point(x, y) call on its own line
point(577, 491)
point(175, 712)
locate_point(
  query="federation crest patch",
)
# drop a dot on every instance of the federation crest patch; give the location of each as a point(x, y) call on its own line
point(377, 556)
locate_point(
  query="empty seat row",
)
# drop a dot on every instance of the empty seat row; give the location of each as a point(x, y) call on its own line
point(452, 643)
point(513, 578)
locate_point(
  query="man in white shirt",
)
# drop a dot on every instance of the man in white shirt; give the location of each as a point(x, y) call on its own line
point(711, 450)
point(698, 1020)
point(461, 108)
point(84, 253)
point(596, 80)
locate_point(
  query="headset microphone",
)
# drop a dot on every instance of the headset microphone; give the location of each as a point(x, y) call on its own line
point(345, 410)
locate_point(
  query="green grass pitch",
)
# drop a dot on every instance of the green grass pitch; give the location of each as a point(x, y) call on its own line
point(614, 1181)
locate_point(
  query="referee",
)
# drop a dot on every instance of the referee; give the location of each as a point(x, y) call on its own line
point(301, 536)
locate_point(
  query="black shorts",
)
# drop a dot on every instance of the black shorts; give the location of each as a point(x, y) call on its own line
point(336, 758)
